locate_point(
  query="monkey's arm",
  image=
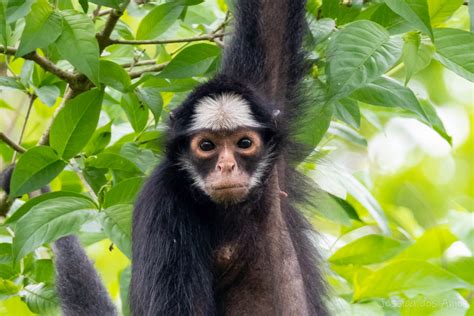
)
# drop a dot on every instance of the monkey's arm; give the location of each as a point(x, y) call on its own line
point(265, 49)
point(170, 265)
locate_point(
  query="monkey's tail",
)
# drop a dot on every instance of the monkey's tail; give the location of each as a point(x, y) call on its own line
point(79, 287)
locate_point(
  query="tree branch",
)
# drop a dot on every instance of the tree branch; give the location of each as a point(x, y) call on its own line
point(155, 68)
point(207, 37)
point(45, 63)
point(68, 94)
point(103, 38)
point(8, 141)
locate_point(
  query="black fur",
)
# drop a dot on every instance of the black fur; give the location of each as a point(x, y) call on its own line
point(79, 287)
point(177, 228)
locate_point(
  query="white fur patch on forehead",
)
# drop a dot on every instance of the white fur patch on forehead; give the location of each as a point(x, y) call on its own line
point(226, 111)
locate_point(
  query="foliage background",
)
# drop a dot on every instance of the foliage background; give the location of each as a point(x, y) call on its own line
point(391, 120)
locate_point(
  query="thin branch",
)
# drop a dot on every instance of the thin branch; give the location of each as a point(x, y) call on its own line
point(207, 37)
point(45, 63)
point(155, 68)
point(139, 63)
point(103, 38)
point(8, 141)
point(105, 12)
point(68, 94)
point(27, 116)
point(96, 13)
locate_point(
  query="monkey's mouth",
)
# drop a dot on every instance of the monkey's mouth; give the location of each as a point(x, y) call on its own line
point(228, 187)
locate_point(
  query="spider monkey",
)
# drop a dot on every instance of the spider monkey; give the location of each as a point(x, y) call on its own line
point(214, 229)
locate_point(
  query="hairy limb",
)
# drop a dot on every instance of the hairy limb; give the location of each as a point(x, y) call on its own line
point(171, 264)
point(79, 287)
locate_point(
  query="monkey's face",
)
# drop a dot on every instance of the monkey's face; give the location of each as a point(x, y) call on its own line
point(226, 164)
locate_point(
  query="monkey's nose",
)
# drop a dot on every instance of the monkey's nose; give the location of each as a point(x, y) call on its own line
point(226, 166)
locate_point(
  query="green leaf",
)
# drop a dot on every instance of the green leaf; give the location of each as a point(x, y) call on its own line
point(416, 55)
point(347, 110)
point(471, 15)
point(117, 224)
point(99, 140)
point(115, 4)
point(84, 5)
point(389, 93)
point(36, 168)
point(158, 20)
point(321, 29)
point(151, 97)
point(75, 123)
point(124, 192)
point(192, 61)
point(42, 27)
point(48, 94)
point(7, 287)
point(312, 126)
point(41, 299)
point(125, 277)
point(358, 55)
point(26, 207)
point(17, 9)
point(462, 267)
point(114, 162)
point(347, 133)
point(114, 76)
point(10, 82)
point(78, 45)
point(454, 50)
point(408, 277)
point(50, 220)
point(415, 12)
point(441, 10)
point(367, 250)
point(449, 303)
point(136, 112)
point(432, 244)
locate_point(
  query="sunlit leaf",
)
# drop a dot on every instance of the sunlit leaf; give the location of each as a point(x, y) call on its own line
point(388, 92)
point(431, 244)
point(25, 208)
point(124, 192)
point(158, 20)
point(40, 298)
point(114, 76)
point(50, 220)
point(114, 162)
point(367, 250)
point(413, 11)
point(358, 55)
point(441, 10)
point(192, 61)
point(75, 123)
point(42, 27)
point(117, 223)
point(36, 168)
point(416, 54)
point(78, 45)
point(137, 113)
point(408, 277)
point(454, 50)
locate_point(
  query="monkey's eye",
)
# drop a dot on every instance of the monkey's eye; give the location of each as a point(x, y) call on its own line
point(244, 143)
point(207, 145)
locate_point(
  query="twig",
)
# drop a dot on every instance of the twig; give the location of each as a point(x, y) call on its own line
point(207, 37)
point(103, 37)
point(16, 147)
point(139, 63)
point(45, 63)
point(96, 13)
point(23, 128)
point(68, 94)
point(155, 68)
